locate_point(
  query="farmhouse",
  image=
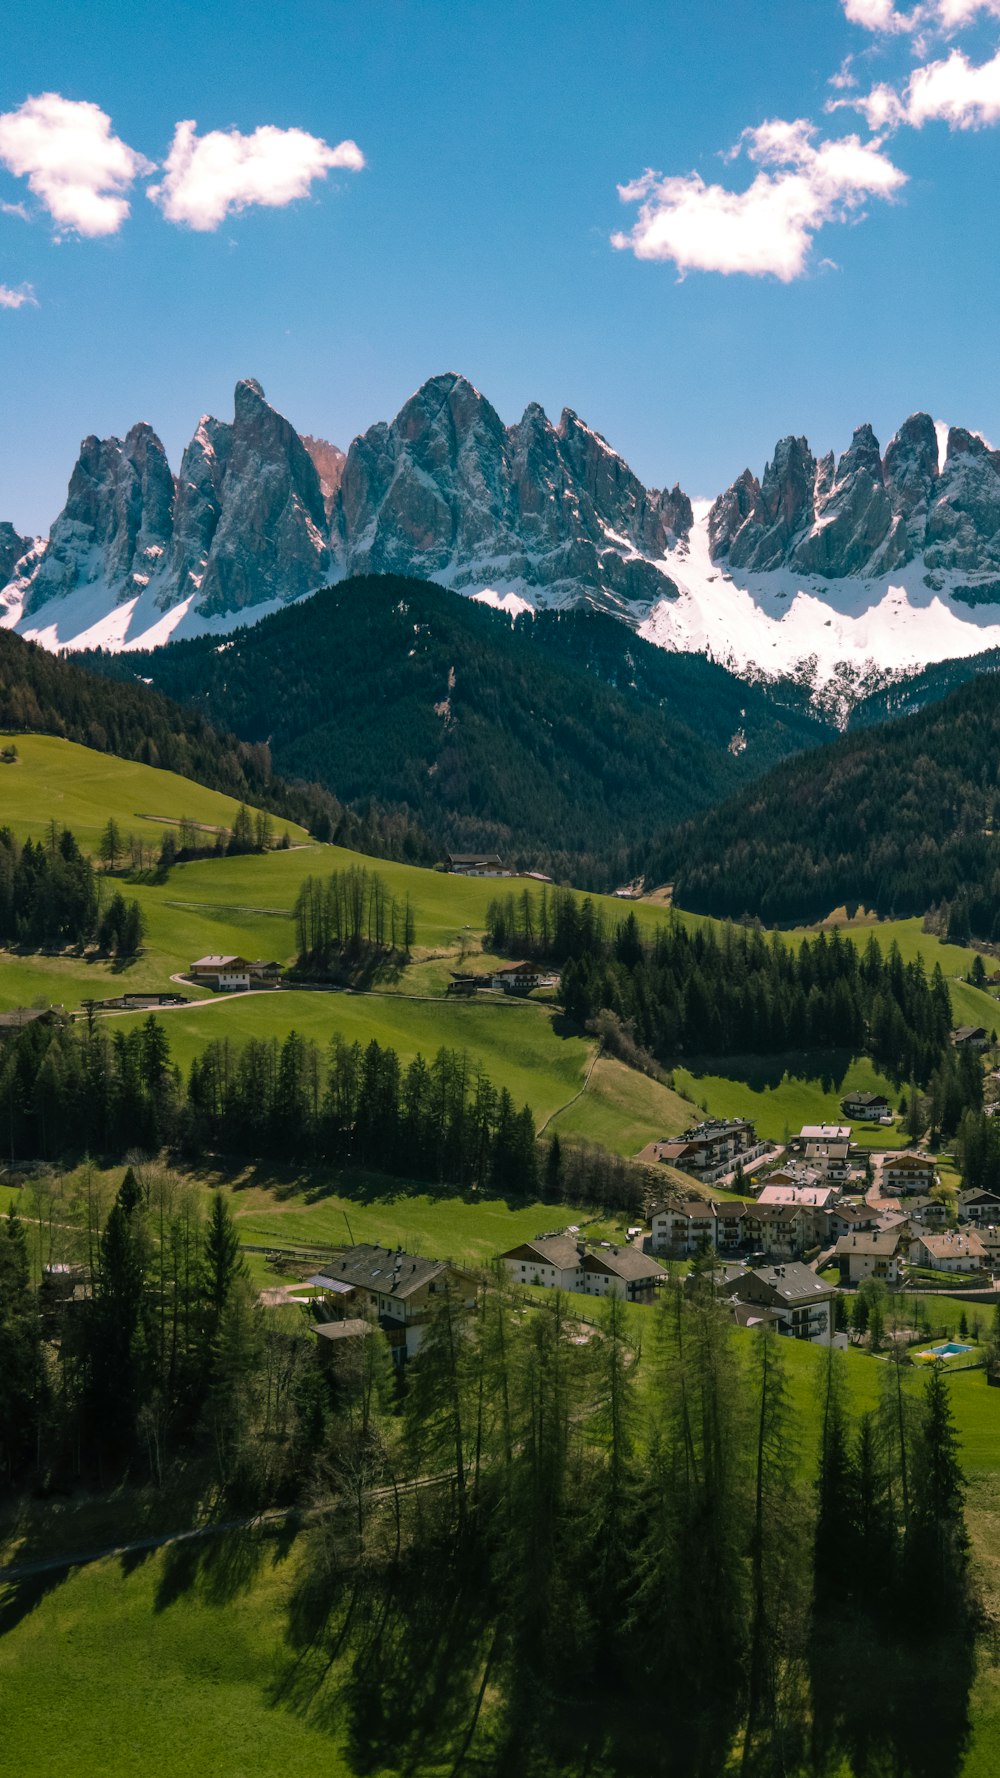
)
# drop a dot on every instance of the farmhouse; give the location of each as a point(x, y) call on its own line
point(562, 1263)
point(519, 978)
point(476, 864)
point(969, 1037)
point(232, 974)
point(907, 1173)
point(801, 1302)
point(866, 1105)
point(954, 1251)
point(871, 1254)
point(398, 1288)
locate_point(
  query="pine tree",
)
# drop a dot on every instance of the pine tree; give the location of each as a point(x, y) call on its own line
point(223, 1265)
point(23, 1386)
point(937, 1543)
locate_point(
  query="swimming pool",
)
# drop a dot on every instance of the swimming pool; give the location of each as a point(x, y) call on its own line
point(950, 1350)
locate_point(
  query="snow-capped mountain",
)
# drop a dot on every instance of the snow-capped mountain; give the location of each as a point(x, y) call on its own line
point(839, 572)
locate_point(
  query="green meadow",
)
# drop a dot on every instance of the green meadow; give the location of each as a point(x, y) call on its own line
point(244, 905)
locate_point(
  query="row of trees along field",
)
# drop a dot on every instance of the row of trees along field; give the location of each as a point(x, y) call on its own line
point(348, 913)
point(611, 1544)
point(737, 991)
point(50, 894)
point(73, 1089)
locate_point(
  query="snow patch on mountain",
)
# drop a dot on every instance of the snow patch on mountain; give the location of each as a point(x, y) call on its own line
point(848, 633)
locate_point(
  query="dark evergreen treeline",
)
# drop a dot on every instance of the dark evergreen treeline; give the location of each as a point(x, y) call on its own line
point(50, 895)
point(142, 1343)
point(738, 992)
point(897, 818)
point(542, 1526)
point(558, 740)
point(442, 1121)
point(624, 1571)
point(88, 1089)
point(348, 913)
point(118, 713)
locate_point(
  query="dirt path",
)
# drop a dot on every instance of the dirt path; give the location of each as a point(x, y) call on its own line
point(578, 1095)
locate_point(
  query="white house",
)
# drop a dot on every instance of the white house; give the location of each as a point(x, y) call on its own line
point(872, 1253)
point(560, 1262)
point(684, 1228)
point(399, 1288)
point(223, 972)
point(957, 1250)
point(907, 1172)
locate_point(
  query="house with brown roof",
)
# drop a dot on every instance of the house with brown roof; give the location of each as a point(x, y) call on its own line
point(957, 1250)
point(711, 1149)
point(685, 1227)
point(560, 1262)
point(399, 1289)
point(872, 1253)
point(801, 1301)
point(907, 1172)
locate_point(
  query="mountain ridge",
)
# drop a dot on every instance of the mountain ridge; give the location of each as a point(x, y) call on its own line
point(840, 573)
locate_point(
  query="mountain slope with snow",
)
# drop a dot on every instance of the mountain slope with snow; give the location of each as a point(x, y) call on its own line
point(841, 574)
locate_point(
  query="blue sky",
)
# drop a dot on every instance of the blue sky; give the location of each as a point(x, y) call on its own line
point(477, 236)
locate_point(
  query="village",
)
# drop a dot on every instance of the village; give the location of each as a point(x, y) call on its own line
point(785, 1235)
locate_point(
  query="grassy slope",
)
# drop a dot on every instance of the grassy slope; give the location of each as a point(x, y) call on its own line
point(244, 905)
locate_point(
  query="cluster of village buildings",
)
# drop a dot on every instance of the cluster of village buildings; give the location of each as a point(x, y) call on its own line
point(827, 1203)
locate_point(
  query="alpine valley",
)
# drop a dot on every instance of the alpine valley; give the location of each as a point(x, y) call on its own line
point(848, 575)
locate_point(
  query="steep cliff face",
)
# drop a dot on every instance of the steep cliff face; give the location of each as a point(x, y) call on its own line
point(839, 571)
point(871, 514)
point(448, 491)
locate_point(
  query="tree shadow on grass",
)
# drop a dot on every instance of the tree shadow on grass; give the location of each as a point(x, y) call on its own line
point(223, 1565)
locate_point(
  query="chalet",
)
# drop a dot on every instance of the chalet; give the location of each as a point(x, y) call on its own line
point(870, 1254)
point(978, 1206)
point(560, 1262)
point(710, 1150)
point(800, 1300)
point(397, 1288)
point(519, 978)
point(957, 1250)
point(873, 1106)
point(823, 1133)
point(969, 1037)
point(476, 864)
point(228, 974)
point(905, 1173)
point(621, 1271)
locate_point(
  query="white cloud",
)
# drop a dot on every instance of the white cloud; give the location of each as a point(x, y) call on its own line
point(17, 299)
point(14, 210)
point(884, 19)
point(954, 91)
point(766, 230)
point(73, 163)
point(209, 177)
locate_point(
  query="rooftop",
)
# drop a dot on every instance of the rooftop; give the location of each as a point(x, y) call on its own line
point(387, 1270)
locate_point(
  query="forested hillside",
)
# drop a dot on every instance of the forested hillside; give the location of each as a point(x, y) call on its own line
point(48, 694)
point(901, 818)
point(560, 740)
